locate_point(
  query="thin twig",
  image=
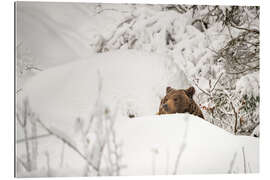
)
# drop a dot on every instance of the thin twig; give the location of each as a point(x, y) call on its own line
point(180, 9)
point(110, 9)
point(19, 90)
point(68, 143)
point(62, 155)
point(201, 89)
point(216, 82)
point(229, 30)
point(181, 149)
point(23, 164)
point(244, 158)
point(33, 138)
point(33, 67)
point(245, 29)
point(232, 162)
point(236, 118)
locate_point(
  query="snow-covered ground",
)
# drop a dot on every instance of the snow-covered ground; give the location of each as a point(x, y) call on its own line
point(167, 144)
point(87, 98)
point(131, 80)
point(150, 143)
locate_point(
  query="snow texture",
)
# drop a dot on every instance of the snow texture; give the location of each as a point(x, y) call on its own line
point(150, 144)
point(89, 78)
point(133, 81)
point(249, 85)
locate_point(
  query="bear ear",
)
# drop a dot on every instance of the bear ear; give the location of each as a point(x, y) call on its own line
point(190, 92)
point(169, 89)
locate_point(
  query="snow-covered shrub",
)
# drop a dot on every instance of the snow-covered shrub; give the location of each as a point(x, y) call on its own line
point(26, 128)
point(241, 54)
point(234, 101)
point(98, 145)
point(217, 48)
point(145, 29)
point(248, 89)
point(214, 45)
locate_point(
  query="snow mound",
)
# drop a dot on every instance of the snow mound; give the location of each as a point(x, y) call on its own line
point(129, 81)
point(151, 146)
point(169, 144)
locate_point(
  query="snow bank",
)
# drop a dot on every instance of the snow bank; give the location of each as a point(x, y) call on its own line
point(151, 146)
point(131, 81)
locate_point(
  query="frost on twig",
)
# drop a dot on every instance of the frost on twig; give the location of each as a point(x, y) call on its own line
point(244, 160)
point(221, 63)
point(100, 142)
point(232, 163)
point(66, 141)
point(23, 118)
point(181, 148)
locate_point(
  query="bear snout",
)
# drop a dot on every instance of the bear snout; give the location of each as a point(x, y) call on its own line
point(165, 107)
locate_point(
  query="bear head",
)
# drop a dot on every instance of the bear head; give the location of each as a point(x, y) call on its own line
point(176, 101)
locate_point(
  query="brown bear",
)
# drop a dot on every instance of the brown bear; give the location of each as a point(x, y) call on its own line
point(179, 101)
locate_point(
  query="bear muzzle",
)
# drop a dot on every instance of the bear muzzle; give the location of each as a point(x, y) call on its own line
point(165, 107)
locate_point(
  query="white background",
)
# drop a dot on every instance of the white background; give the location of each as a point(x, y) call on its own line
point(7, 88)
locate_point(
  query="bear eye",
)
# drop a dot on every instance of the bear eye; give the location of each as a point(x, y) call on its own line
point(175, 99)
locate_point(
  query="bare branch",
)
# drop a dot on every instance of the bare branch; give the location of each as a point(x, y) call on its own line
point(19, 90)
point(111, 9)
point(23, 164)
point(33, 138)
point(181, 149)
point(33, 67)
point(244, 159)
point(232, 162)
point(236, 118)
point(201, 89)
point(68, 143)
point(216, 82)
point(245, 29)
point(180, 9)
point(62, 155)
point(240, 72)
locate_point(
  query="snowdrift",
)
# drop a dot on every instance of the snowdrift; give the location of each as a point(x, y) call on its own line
point(172, 144)
point(130, 82)
point(153, 144)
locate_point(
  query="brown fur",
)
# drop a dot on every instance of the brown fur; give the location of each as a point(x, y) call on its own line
point(179, 101)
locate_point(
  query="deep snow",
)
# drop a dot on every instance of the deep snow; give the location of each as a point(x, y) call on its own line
point(208, 149)
point(134, 81)
point(126, 82)
point(150, 146)
point(131, 82)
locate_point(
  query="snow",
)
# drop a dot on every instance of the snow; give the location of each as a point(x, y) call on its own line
point(151, 144)
point(208, 149)
point(132, 80)
point(56, 37)
point(78, 84)
point(249, 85)
point(256, 132)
